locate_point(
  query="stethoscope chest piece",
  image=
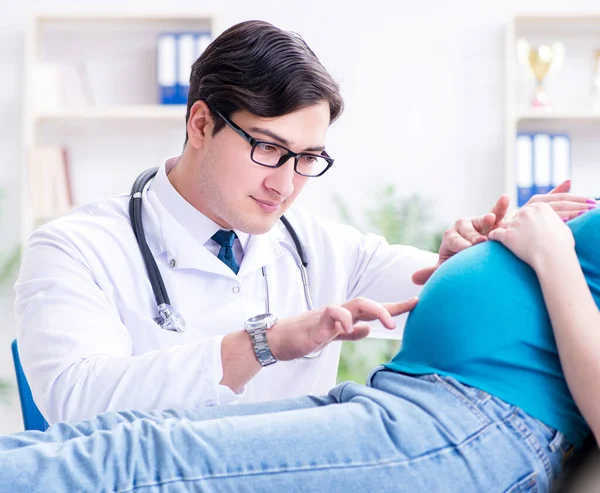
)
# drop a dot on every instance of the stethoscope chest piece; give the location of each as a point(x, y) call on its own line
point(169, 319)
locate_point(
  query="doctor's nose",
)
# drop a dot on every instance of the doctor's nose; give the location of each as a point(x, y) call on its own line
point(281, 180)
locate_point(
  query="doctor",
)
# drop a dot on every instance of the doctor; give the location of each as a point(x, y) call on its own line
point(206, 303)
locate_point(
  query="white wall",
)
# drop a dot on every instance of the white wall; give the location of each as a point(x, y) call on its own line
point(423, 83)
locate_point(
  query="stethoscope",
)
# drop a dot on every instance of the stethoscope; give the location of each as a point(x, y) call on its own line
point(168, 318)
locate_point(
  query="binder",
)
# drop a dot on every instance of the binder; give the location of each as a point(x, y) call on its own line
point(561, 158)
point(202, 41)
point(542, 163)
point(176, 53)
point(166, 64)
point(186, 56)
point(524, 168)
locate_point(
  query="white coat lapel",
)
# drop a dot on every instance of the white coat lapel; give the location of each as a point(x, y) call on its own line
point(183, 251)
point(261, 251)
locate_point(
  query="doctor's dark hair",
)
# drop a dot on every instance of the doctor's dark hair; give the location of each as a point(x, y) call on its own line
point(257, 67)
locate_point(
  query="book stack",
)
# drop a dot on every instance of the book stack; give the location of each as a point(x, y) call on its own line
point(543, 161)
point(50, 191)
point(62, 85)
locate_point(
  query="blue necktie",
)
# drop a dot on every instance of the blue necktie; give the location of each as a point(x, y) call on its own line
point(225, 239)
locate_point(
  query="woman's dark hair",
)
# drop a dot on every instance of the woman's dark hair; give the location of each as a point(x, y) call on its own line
point(257, 67)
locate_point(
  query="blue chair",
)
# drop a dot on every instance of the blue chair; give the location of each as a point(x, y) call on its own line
point(32, 418)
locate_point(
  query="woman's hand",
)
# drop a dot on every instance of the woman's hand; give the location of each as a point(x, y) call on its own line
point(470, 231)
point(535, 234)
point(567, 206)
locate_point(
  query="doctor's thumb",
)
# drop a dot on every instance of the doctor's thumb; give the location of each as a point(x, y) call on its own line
point(361, 330)
point(420, 277)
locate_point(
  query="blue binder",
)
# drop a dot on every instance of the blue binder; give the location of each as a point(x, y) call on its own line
point(176, 53)
point(166, 68)
point(524, 168)
point(561, 158)
point(542, 162)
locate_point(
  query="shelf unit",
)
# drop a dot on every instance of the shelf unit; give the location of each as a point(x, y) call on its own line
point(122, 112)
point(570, 90)
point(121, 48)
point(574, 115)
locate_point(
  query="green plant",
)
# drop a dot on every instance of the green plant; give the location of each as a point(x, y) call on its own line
point(8, 267)
point(401, 220)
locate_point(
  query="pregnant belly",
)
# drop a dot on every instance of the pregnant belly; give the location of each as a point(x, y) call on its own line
point(482, 304)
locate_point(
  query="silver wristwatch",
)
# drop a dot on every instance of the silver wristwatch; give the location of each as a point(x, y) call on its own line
point(257, 329)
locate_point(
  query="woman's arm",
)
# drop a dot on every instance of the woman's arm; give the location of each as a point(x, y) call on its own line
point(576, 323)
point(537, 236)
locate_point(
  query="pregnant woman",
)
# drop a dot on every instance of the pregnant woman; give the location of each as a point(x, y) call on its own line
point(475, 401)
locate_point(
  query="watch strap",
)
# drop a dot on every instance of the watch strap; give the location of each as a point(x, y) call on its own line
point(257, 330)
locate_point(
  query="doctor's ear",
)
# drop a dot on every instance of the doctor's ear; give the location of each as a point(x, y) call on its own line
point(200, 124)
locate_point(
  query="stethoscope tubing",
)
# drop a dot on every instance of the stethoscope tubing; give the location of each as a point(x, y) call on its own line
point(159, 289)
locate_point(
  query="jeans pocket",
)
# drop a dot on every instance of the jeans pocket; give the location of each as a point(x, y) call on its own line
point(555, 438)
point(547, 443)
point(560, 444)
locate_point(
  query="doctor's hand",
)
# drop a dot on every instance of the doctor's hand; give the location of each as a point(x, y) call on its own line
point(471, 231)
point(296, 337)
point(465, 233)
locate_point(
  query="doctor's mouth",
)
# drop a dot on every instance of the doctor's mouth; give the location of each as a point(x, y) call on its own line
point(268, 206)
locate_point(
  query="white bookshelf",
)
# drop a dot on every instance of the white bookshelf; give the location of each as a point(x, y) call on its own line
point(573, 115)
point(174, 113)
point(572, 111)
point(119, 53)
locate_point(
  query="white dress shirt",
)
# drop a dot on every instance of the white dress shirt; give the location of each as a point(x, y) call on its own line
point(85, 308)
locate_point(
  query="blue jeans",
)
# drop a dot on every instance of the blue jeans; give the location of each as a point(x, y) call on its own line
point(399, 433)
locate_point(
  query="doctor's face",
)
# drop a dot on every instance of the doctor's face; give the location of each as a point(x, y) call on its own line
point(236, 192)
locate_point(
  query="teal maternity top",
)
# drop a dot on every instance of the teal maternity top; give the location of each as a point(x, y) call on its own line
point(481, 319)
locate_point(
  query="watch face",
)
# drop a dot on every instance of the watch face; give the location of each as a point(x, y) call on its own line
point(257, 319)
point(263, 321)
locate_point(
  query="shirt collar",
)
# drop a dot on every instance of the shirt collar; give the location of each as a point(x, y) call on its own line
point(199, 226)
point(172, 224)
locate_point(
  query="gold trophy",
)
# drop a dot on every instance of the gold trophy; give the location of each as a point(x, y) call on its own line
point(541, 62)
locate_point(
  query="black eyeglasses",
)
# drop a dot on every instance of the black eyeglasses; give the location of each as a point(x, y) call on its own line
point(274, 155)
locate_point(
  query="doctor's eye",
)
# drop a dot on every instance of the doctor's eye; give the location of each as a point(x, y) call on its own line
point(266, 148)
point(308, 159)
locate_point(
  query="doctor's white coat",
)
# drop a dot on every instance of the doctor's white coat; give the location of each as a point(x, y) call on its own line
point(85, 309)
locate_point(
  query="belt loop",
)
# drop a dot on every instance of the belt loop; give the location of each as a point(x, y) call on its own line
point(556, 442)
point(372, 374)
